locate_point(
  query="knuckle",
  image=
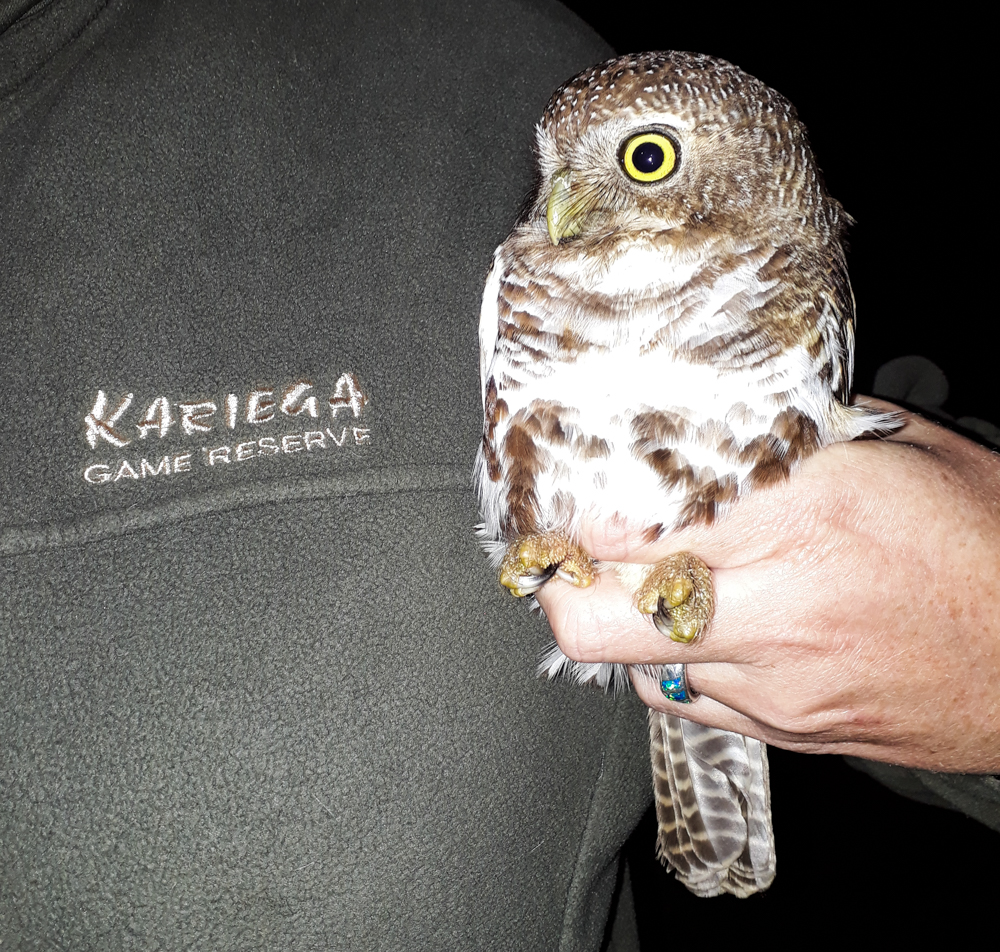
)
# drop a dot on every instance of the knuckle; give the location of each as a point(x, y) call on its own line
point(800, 716)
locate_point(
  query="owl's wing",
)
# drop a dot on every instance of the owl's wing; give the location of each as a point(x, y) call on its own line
point(489, 322)
point(839, 331)
point(713, 806)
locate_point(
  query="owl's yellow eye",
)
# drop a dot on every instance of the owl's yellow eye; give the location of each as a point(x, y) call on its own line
point(648, 157)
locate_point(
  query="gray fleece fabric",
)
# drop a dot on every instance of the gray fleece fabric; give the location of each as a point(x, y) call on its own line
point(259, 688)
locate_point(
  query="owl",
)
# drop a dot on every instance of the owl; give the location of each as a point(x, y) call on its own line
point(669, 326)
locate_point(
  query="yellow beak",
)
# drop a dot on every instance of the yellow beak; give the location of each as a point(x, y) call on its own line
point(567, 208)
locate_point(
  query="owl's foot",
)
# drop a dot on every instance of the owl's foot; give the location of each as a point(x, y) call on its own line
point(530, 562)
point(680, 596)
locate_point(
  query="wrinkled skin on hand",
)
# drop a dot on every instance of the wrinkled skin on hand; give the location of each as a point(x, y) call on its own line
point(857, 606)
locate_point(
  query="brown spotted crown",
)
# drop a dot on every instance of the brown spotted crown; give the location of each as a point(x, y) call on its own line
point(743, 157)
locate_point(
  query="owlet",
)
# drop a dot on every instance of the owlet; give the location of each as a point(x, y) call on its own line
point(668, 326)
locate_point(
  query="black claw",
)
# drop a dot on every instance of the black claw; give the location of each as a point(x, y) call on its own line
point(663, 620)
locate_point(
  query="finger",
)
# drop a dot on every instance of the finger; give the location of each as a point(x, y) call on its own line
point(613, 540)
point(763, 523)
point(703, 710)
point(773, 700)
point(601, 623)
point(589, 627)
point(760, 525)
point(832, 738)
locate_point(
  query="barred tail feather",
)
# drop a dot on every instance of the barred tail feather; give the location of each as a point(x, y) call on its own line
point(713, 807)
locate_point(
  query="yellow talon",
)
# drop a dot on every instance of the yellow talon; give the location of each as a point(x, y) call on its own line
point(679, 595)
point(530, 562)
point(679, 592)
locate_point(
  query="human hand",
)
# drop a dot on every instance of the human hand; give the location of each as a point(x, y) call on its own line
point(857, 606)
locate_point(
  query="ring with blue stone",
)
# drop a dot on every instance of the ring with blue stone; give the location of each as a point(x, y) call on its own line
point(673, 684)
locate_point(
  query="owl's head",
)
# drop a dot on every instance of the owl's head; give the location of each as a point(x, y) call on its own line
point(672, 141)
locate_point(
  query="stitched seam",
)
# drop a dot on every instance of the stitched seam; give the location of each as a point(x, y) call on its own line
point(386, 482)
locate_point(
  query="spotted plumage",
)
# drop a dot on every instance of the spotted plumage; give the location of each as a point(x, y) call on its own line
point(669, 326)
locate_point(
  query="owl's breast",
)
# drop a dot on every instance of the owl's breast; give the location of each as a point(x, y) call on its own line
point(619, 432)
point(605, 400)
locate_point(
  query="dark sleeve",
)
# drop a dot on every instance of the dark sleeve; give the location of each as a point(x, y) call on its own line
point(977, 796)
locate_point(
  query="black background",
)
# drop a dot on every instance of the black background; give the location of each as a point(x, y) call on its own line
point(897, 119)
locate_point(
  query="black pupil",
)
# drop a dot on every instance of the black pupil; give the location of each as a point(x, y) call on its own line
point(647, 157)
